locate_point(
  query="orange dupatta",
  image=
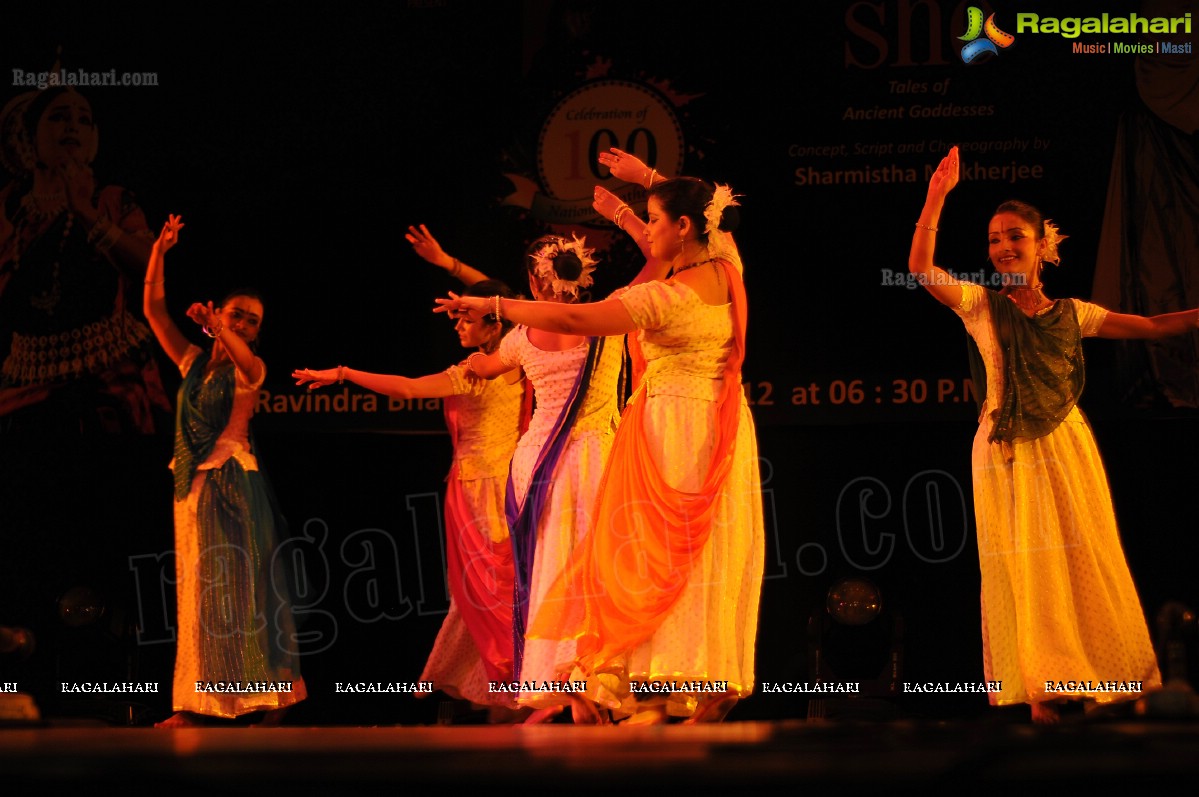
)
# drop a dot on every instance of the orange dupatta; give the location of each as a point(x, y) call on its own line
point(633, 566)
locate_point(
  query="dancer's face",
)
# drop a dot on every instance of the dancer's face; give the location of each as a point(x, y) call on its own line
point(474, 334)
point(1013, 246)
point(66, 131)
point(662, 232)
point(242, 315)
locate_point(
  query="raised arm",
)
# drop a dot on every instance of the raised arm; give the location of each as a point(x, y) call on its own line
point(935, 280)
point(630, 168)
point(154, 303)
point(608, 317)
point(425, 245)
point(1123, 325)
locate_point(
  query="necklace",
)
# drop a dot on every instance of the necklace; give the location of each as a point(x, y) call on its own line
point(681, 269)
point(1035, 302)
point(47, 300)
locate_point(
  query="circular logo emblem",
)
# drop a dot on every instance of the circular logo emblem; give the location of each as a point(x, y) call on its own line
point(595, 117)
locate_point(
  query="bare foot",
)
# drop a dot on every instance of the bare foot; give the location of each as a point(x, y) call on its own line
point(1045, 714)
point(181, 719)
point(503, 715)
point(654, 715)
point(543, 715)
point(584, 712)
point(714, 709)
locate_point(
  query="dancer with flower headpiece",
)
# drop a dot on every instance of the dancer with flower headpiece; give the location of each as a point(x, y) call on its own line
point(555, 472)
point(1058, 601)
point(664, 591)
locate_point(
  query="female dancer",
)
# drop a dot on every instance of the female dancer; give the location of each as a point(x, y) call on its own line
point(667, 585)
point(474, 645)
point(558, 462)
point(235, 623)
point(1058, 602)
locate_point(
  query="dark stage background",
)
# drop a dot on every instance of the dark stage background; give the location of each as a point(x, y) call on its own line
point(298, 142)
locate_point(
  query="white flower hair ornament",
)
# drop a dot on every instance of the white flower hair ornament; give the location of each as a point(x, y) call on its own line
point(543, 265)
point(1053, 237)
point(722, 198)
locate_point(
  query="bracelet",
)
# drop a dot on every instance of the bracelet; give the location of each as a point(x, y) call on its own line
point(213, 333)
point(497, 307)
point(470, 362)
point(926, 227)
point(155, 282)
point(618, 216)
point(652, 174)
point(341, 374)
point(457, 269)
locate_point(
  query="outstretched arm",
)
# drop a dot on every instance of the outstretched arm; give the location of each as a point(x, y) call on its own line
point(937, 281)
point(608, 317)
point(401, 387)
point(425, 245)
point(154, 303)
point(1123, 325)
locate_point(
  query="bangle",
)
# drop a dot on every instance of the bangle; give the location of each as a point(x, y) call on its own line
point(214, 333)
point(618, 216)
point(926, 227)
point(341, 374)
point(650, 183)
point(155, 282)
point(470, 362)
point(497, 307)
point(457, 269)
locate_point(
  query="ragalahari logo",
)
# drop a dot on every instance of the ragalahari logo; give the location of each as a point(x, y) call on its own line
point(975, 27)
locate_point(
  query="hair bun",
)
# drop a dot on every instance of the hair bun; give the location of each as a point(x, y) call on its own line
point(568, 266)
point(730, 219)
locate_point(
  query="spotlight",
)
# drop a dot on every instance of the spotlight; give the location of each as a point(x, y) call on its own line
point(1176, 698)
point(852, 640)
point(80, 606)
point(854, 601)
point(17, 641)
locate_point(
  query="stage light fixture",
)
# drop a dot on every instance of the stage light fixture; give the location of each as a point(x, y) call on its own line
point(854, 601)
point(19, 642)
point(80, 605)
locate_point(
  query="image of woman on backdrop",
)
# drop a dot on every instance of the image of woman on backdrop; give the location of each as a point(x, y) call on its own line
point(73, 358)
point(1058, 600)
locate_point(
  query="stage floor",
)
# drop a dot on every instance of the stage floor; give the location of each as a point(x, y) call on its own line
point(734, 757)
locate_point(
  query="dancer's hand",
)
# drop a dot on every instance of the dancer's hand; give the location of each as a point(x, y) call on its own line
point(315, 379)
point(472, 307)
point(626, 167)
point(426, 246)
point(946, 175)
point(203, 314)
point(606, 203)
point(170, 233)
